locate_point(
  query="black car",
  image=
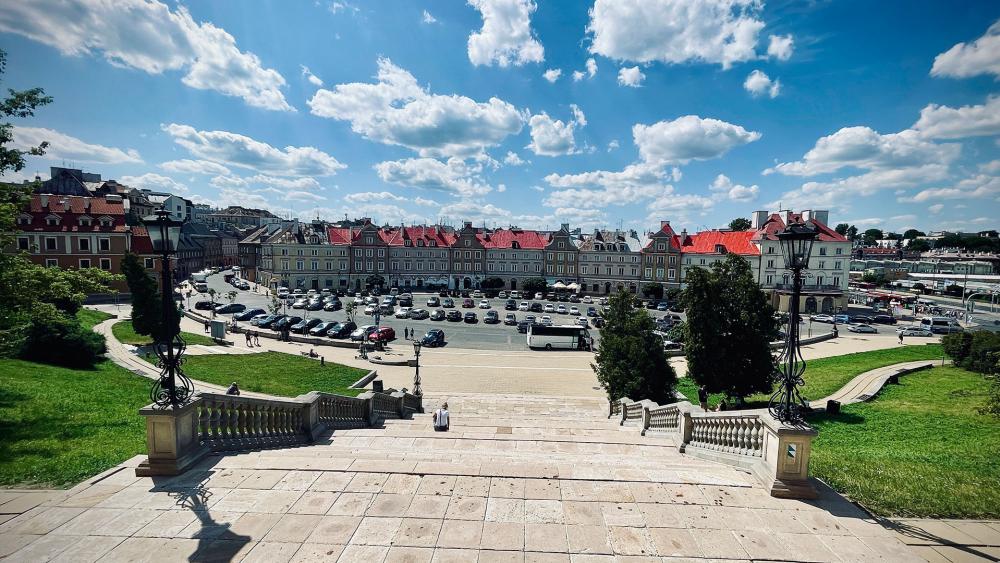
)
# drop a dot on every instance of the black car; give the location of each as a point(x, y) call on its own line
point(405, 301)
point(433, 338)
point(864, 319)
point(884, 319)
point(522, 326)
point(333, 306)
point(510, 305)
point(341, 330)
point(321, 328)
point(302, 327)
point(591, 312)
point(454, 315)
point(574, 298)
point(285, 322)
point(205, 305)
point(270, 321)
point(471, 318)
point(491, 318)
point(229, 308)
point(314, 305)
point(598, 322)
point(676, 307)
point(536, 307)
point(248, 314)
point(443, 293)
point(650, 304)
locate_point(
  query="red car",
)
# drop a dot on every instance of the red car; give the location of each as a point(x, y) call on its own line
point(468, 303)
point(383, 334)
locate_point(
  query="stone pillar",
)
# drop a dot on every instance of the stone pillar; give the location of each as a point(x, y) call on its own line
point(684, 426)
point(786, 459)
point(172, 439)
point(645, 421)
point(311, 426)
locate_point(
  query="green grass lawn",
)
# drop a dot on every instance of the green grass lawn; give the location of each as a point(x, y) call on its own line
point(60, 426)
point(919, 449)
point(824, 376)
point(274, 373)
point(90, 318)
point(126, 335)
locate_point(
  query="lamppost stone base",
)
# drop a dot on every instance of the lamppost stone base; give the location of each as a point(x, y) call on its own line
point(171, 440)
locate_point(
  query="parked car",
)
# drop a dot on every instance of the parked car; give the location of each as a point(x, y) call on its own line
point(492, 317)
point(437, 315)
point(530, 319)
point(468, 303)
point(256, 319)
point(676, 307)
point(841, 319)
point(524, 306)
point(454, 316)
point(321, 328)
point(510, 305)
point(598, 322)
point(248, 314)
point(549, 308)
point(884, 319)
point(574, 298)
point(230, 308)
point(510, 319)
point(204, 305)
point(405, 300)
point(477, 294)
point(370, 309)
point(662, 306)
point(862, 328)
point(539, 296)
point(403, 313)
point(433, 302)
point(433, 338)
point(361, 333)
point(522, 327)
point(591, 312)
point(315, 305)
point(502, 295)
point(333, 306)
point(822, 318)
point(561, 309)
point(447, 302)
point(285, 322)
point(913, 331)
point(582, 321)
point(300, 304)
point(575, 311)
point(305, 326)
point(470, 317)
point(270, 321)
point(862, 319)
point(341, 330)
point(514, 294)
point(536, 307)
point(546, 320)
point(382, 334)
point(484, 304)
point(419, 314)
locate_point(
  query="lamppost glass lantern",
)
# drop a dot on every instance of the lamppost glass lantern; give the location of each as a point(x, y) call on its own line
point(796, 245)
point(164, 231)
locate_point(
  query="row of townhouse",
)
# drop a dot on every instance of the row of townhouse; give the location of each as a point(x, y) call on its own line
point(315, 256)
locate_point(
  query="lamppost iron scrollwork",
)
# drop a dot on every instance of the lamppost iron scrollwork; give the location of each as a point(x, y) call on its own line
point(787, 404)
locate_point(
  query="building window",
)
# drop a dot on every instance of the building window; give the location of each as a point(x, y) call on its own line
point(315, 265)
point(672, 260)
point(104, 244)
point(822, 251)
point(649, 272)
point(52, 221)
point(299, 265)
point(671, 273)
point(51, 243)
point(468, 242)
point(23, 243)
point(51, 263)
point(84, 244)
point(840, 250)
point(659, 246)
point(770, 263)
point(148, 263)
point(836, 265)
point(822, 265)
point(836, 281)
point(560, 245)
point(769, 280)
point(106, 264)
point(84, 263)
point(659, 273)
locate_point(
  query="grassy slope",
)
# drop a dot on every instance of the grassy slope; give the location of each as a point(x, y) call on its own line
point(274, 373)
point(919, 449)
point(60, 426)
point(126, 335)
point(90, 318)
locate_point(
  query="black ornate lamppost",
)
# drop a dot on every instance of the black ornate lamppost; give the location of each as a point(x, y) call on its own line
point(416, 363)
point(173, 388)
point(786, 403)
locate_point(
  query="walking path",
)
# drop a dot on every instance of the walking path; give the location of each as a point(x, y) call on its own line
point(866, 385)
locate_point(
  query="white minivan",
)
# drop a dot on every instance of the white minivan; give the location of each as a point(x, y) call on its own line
point(940, 325)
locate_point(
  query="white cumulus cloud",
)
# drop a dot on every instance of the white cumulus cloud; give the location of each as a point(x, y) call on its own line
point(759, 84)
point(963, 60)
point(780, 47)
point(554, 137)
point(725, 187)
point(431, 174)
point(149, 36)
point(312, 78)
point(676, 31)
point(155, 182)
point(513, 159)
point(689, 138)
point(185, 166)
point(233, 149)
point(428, 18)
point(631, 77)
point(506, 37)
point(943, 122)
point(552, 74)
point(396, 110)
point(66, 147)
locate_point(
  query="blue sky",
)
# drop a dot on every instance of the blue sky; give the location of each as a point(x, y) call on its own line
point(598, 113)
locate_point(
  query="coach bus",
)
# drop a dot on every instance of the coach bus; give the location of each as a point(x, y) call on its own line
point(567, 337)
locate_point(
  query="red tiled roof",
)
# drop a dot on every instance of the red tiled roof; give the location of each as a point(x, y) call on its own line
point(707, 242)
point(141, 243)
point(503, 238)
point(776, 224)
point(340, 235)
point(667, 230)
point(70, 209)
point(398, 236)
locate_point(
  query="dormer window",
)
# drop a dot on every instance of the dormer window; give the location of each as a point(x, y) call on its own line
point(515, 245)
point(53, 220)
point(433, 243)
point(720, 249)
point(407, 243)
point(24, 220)
point(85, 221)
point(598, 247)
point(420, 243)
point(106, 221)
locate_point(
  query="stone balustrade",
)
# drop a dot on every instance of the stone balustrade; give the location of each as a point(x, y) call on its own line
point(178, 437)
point(775, 452)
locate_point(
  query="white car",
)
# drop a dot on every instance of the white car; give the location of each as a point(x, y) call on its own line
point(575, 311)
point(300, 304)
point(357, 334)
point(561, 309)
point(538, 296)
point(403, 313)
point(484, 304)
point(514, 294)
point(862, 328)
point(546, 320)
point(549, 308)
point(582, 321)
point(914, 331)
point(822, 318)
point(502, 295)
point(477, 294)
point(587, 299)
point(370, 310)
point(524, 306)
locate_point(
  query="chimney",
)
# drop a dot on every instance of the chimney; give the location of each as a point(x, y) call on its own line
point(821, 216)
point(664, 224)
point(807, 215)
point(757, 219)
point(44, 200)
point(565, 227)
point(468, 225)
point(786, 216)
point(684, 235)
point(66, 205)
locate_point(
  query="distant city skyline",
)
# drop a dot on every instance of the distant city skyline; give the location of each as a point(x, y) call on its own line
point(612, 113)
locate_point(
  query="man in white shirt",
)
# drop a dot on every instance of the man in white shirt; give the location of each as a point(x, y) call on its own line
point(441, 418)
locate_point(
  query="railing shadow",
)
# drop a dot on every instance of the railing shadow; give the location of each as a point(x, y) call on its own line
point(915, 532)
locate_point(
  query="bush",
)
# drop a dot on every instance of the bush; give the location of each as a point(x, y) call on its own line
point(983, 352)
point(54, 338)
point(956, 345)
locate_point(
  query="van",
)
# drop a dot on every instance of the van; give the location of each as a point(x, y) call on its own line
point(201, 287)
point(940, 325)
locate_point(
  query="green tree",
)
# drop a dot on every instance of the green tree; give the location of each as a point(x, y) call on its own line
point(350, 308)
point(652, 290)
point(842, 228)
point(535, 285)
point(870, 236)
point(275, 305)
point(918, 245)
point(492, 283)
point(728, 330)
point(739, 224)
point(374, 281)
point(852, 233)
point(911, 234)
point(146, 302)
point(673, 294)
point(872, 277)
point(630, 361)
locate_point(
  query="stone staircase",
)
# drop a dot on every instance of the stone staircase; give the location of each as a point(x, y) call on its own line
point(515, 479)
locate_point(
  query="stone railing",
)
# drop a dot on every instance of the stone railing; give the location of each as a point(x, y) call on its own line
point(776, 453)
point(178, 437)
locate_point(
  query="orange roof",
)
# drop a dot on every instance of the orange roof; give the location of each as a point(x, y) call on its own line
point(708, 242)
point(503, 238)
point(775, 224)
point(69, 209)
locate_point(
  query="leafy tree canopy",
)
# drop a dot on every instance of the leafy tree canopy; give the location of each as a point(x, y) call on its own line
point(535, 285)
point(739, 224)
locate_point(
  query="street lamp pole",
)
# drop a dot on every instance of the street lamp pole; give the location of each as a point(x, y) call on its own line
point(173, 388)
point(786, 403)
point(416, 375)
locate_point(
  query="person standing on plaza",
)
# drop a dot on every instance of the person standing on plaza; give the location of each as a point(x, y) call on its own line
point(256, 338)
point(249, 340)
point(703, 397)
point(208, 325)
point(901, 337)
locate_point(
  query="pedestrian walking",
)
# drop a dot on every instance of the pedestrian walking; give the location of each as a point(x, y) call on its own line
point(900, 337)
point(703, 397)
point(256, 338)
point(249, 339)
point(208, 325)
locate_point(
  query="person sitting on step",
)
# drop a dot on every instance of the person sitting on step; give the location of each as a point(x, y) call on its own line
point(442, 420)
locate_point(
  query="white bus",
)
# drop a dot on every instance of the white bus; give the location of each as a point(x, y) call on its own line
point(567, 337)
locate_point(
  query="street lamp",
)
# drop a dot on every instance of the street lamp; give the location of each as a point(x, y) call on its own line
point(173, 388)
point(417, 391)
point(786, 403)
